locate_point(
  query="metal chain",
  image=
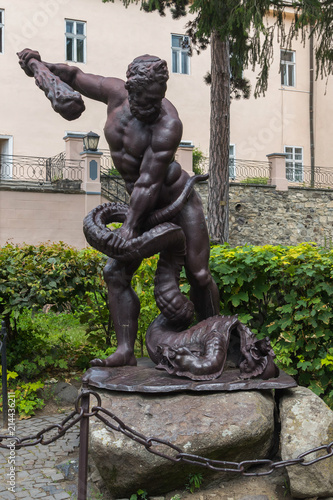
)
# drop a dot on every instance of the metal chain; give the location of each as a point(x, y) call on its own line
point(40, 438)
point(153, 444)
point(216, 465)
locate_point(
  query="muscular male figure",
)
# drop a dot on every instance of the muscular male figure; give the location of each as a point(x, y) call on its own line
point(143, 131)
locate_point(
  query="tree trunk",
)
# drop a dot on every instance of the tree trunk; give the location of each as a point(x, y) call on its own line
point(218, 184)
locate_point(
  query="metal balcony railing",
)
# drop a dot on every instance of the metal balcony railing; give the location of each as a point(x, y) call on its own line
point(40, 171)
point(303, 175)
point(249, 172)
point(113, 186)
point(244, 171)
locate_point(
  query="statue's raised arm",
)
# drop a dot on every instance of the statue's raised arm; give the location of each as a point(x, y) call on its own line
point(64, 100)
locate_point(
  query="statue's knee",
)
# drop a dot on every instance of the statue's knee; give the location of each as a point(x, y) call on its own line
point(115, 277)
point(201, 278)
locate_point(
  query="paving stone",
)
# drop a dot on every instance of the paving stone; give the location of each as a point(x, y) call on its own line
point(57, 477)
point(61, 496)
point(36, 471)
point(22, 475)
point(7, 495)
point(51, 489)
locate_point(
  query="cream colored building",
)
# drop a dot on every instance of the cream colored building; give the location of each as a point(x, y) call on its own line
point(106, 37)
point(112, 37)
point(103, 39)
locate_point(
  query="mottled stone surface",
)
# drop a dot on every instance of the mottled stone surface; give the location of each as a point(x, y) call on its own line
point(306, 423)
point(260, 215)
point(224, 426)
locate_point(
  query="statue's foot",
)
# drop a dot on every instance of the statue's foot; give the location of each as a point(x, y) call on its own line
point(118, 358)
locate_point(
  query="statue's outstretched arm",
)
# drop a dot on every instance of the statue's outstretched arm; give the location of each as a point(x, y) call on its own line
point(63, 84)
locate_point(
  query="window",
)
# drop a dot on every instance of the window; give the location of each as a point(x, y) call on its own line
point(180, 54)
point(75, 41)
point(6, 156)
point(232, 161)
point(294, 163)
point(2, 30)
point(288, 68)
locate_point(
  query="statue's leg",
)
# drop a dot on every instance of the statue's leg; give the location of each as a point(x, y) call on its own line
point(124, 308)
point(174, 306)
point(204, 292)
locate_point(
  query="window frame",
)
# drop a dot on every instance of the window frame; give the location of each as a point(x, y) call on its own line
point(232, 161)
point(75, 37)
point(294, 166)
point(179, 51)
point(286, 66)
point(2, 31)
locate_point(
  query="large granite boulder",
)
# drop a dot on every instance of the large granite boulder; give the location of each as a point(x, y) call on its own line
point(306, 423)
point(230, 426)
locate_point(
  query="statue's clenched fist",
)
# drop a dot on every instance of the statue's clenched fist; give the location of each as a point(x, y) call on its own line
point(24, 57)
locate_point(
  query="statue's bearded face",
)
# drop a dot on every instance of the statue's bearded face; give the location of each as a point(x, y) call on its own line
point(146, 102)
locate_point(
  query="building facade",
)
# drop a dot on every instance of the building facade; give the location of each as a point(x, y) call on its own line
point(103, 38)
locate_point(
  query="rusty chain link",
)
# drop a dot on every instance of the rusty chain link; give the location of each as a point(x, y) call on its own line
point(39, 437)
point(152, 443)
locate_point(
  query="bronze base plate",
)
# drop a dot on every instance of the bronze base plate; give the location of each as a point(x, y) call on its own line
point(145, 378)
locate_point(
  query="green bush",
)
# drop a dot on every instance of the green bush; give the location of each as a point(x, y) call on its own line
point(34, 276)
point(65, 280)
point(143, 285)
point(69, 284)
point(198, 159)
point(26, 398)
point(285, 293)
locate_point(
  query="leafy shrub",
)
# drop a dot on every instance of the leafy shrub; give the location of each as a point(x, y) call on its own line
point(143, 285)
point(37, 348)
point(69, 284)
point(198, 159)
point(26, 398)
point(285, 293)
point(63, 279)
point(34, 276)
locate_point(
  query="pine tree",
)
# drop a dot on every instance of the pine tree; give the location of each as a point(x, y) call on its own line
point(240, 37)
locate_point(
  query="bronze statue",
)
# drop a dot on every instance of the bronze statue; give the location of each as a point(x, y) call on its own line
point(164, 215)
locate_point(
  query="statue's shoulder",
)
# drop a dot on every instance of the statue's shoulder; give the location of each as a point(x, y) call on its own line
point(114, 90)
point(170, 109)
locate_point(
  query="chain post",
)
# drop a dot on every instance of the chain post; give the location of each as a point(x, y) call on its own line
point(4, 375)
point(84, 439)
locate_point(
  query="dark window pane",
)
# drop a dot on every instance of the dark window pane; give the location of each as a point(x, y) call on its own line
point(176, 41)
point(69, 27)
point(185, 63)
point(79, 28)
point(291, 78)
point(1, 48)
point(175, 68)
point(287, 55)
point(0, 16)
point(79, 50)
point(283, 74)
point(69, 49)
point(186, 42)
